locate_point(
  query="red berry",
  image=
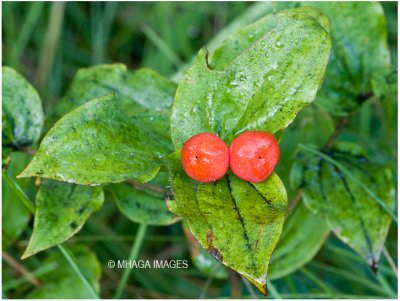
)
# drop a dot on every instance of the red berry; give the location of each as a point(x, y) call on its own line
point(205, 157)
point(254, 155)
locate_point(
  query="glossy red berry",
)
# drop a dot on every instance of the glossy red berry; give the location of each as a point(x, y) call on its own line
point(205, 157)
point(254, 155)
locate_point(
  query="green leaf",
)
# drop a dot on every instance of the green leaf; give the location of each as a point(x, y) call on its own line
point(237, 222)
point(143, 90)
point(21, 111)
point(61, 211)
point(142, 205)
point(303, 235)
point(15, 215)
point(302, 130)
point(333, 191)
point(203, 260)
point(63, 283)
point(103, 141)
point(261, 86)
point(359, 49)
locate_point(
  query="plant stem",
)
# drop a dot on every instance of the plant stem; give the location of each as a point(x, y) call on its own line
point(18, 190)
point(390, 261)
point(72, 262)
point(274, 292)
point(20, 268)
point(234, 282)
point(147, 186)
point(132, 256)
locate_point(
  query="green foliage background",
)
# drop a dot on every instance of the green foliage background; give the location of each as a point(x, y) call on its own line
point(49, 42)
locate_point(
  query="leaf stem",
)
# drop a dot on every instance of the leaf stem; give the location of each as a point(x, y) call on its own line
point(73, 263)
point(147, 186)
point(18, 190)
point(132, 256)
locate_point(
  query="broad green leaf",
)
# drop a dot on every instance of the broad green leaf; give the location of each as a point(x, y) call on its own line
point(143, 90)
point(21, 110)
point(359, 49)
point(61, 211)
point(302, 130)
point(203, 260)
point(143, 205)
point(103, 141)
point(260, 87)
point(15, 215)
point(237, 222)
point(385, 86)
point(63, 283)
point(349, 210)
point(303, 235)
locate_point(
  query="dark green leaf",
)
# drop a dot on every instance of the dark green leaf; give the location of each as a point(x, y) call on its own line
point(15, 215)
point(103, 142)
point(334, 192)
point(61, 211)
point(359, 49)
point(302, 130)
point(303, 235)
point(63, 283)
point(21, 110)
point(144, 204)
point(237, 222)
point(276, 71)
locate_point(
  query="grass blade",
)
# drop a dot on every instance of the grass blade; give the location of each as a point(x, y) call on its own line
point(72, 262)
point(132, 256)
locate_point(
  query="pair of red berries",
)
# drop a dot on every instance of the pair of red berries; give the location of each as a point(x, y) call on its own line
point(252, 156)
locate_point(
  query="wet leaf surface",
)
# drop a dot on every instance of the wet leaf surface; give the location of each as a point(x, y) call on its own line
point(22, 111)
point(274, 71)
point(100, 142)
point(258, 79)
point(360, 48)
point(62, 209)
point(349, 210)
point(237, 222)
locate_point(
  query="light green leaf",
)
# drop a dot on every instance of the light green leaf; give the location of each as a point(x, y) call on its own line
point(61, 211)
point(21, 110)
point(142, 205)
point(63, 283)
point(237, 222)
point(303, 235)
point(102, 141)
point(201, 259)
point(359, 49)
point(276, 71)
point(349, 210)
point(15, 215)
